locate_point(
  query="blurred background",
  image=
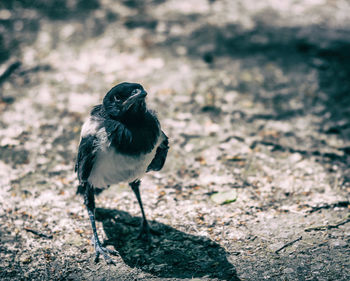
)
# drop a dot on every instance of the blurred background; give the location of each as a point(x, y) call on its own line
point(255, 97)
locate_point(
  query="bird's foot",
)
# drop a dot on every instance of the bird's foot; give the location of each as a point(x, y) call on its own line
point(146, 232)
point(99, 250)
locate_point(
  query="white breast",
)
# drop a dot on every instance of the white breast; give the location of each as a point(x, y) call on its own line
point(111, 167)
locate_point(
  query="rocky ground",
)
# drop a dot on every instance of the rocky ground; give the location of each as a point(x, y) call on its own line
point(255, 97)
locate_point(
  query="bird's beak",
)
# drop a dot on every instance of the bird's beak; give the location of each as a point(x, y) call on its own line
point(134, 99)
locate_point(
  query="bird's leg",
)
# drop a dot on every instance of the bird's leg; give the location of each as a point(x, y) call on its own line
point(89, 201)
point(145, 229)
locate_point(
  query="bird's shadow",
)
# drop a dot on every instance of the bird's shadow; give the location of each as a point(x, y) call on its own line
point(171, 254)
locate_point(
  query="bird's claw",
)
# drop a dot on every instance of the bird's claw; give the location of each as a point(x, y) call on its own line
point(104, 252)
point(146, 233)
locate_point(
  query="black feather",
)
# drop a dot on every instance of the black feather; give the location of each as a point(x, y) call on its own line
point(117, 132)
point(85, 158)
point(161, 153)
point(134, 135)
point(98, 112)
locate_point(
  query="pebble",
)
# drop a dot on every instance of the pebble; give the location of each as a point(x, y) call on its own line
point(288, 270)
point(339, 243)
point(25, 258)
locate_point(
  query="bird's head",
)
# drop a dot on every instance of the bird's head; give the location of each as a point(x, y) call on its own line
point(125, 98)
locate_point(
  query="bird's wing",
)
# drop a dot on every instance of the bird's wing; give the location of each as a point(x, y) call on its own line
point(161, 153)
point(86, 157)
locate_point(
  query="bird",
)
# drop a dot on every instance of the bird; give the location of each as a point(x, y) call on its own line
point(120, 141)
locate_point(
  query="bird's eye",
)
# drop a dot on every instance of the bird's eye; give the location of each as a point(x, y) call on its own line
point(116, 99)
point(135, 91)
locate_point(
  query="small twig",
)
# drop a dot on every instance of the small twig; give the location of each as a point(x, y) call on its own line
point(9, 70)
point(278, 147)
point(328, 226)
point(38, 233)
point(45, 67)
point(329, 206)
point(187, 137)
point(288, 244)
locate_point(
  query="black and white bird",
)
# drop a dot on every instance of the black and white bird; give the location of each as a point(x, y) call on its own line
point(120, 142)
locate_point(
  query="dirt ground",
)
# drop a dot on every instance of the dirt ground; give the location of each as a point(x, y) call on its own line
point(255, 98)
